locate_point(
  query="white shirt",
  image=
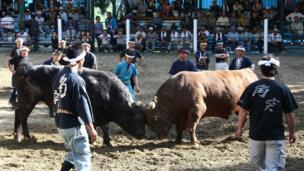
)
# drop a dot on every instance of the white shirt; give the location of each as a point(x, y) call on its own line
point(222, 21)
point(275, 38)
point(7, 22)
point(174, 36)
point(292, 15)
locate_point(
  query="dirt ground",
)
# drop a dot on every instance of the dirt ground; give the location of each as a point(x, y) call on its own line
point(217, 150)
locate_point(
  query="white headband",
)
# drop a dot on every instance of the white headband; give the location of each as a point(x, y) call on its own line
point(73, 61)
point(269, 62)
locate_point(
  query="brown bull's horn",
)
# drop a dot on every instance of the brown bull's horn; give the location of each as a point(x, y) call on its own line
point(151, 105)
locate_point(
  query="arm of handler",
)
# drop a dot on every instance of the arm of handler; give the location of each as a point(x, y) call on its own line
point(242, 118)
point(136, 83)
point(290, 124)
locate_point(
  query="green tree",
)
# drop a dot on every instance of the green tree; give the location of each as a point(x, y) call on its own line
point(103, 4)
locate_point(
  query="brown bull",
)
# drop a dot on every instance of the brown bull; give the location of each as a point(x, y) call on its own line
point(187, 97)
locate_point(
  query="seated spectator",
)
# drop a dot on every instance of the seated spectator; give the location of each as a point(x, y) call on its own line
point(40, 21)
point(258, 39)
point(176, 9)
point(275, 41)
point(164, 39)
point(186, 38)
point(203, 35)
point(157, 22)
point(151, 39)
point(7, 23)
point(233, 38)
point(85, 37)
point(234, 20)
point(257, 5)
point(270, 14)
point(291, 16)
point(223, 20)
point(70, 32)
point(150, 8)
point(140, 39)
point(166, 8)
point(243, 21)
point(120, 40)
point(175, 38)
point(24, 36)
point(27, 17)
point(256, 18)
point(215, 9)
point(219, 37)
point(246, 38)
point(105, 42)
point(182, 63)
point(54, 60)
point(237, 7)
point(297, 26)
point(142, 8)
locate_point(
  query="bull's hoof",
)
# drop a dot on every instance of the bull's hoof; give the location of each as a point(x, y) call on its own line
point(108, 145)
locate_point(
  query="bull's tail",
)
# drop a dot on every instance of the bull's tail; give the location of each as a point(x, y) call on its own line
point(13, 98)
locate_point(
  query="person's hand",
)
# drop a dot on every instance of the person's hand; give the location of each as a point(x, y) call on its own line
point(239, 133)
point(292, 138)
point(137, 89)
point(93, 135)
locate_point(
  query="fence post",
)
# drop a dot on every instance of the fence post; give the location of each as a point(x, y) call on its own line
point(265, 36)
point(194, 35)
point(127, 32)
point(59, 27)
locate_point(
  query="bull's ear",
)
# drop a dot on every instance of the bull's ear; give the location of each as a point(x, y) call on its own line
point(151, 105)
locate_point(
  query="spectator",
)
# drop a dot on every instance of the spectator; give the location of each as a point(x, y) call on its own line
point(234, 20)
point(246, 38)
point(202, 57)
point(218, 37)
point(105, 39)
point(270, 14)
point(264, 102)
point(120, 40)
point(241, 61)
point(85, 37)
point(182, 63)
point(221, 57)
point(297, 26)
point(186, 38)
point(131, 50)
point(233, 38)
point(54, 60)
point(223, 20)
point(151, 39)
point(275, 41)
point(24, 36)
point(64, 18)
point(54, 40)
point(34, 32)
point(238, 8)
point(157, 22)
point(203, 35)
point(70, 30)
point(7, 23)
point(98, 30)
point(142, 8)
point(108, 22)
point(126, 71)
point(256, 18)
point(27, 17)
point(150, 9)
point(89, 58)
point(259, 39)
point(243, 21)
point(166, 8)
point(291, 16)
point(140, 39)
point(175, 42)
point(40, 21)
point(164, 39)
point(62, 48)
point(257, 6)
point(215, 9)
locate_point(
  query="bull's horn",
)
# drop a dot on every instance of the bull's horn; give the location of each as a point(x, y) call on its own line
point(155, 99)
point(139, 103)
point(151, 105)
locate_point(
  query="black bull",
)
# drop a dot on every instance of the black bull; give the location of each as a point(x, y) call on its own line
point(111, 101)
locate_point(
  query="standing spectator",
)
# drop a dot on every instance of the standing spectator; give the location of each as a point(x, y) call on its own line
point(134, 52)
point(24, 36)
point(126, 71)
point(202, 57)
point(98, 30)
point(105, 39)
point(89, 58)
point(54, 40)
point(297, 26)
point(27, 17)
point(215, 9)
point(7, 23)
point(108, 21)
point(182, 63)
point(54, 60)
point(34, 32)
point(291, 16)
point(265, 101)
point(140, 39)
point(241, 61)
point(40, 21)
point(151, 39)
point(164, 38)
point(223, 21)
point(275, 41)
point(221, 57)
point(73, 112)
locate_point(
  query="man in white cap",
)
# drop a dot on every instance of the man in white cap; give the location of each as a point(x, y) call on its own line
point(221, 57)
point(90, 58)
point(13, 64)
point(240, 61)
point(131, 50)
point(126, 71)
point(265, 101)
point(73, 111)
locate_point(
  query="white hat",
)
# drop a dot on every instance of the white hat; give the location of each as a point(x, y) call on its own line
point(24, 48)
point(129, 54)
point(19, 40)
point(74, 54)
point(85, 44)
point(269, 61)
point(242, 48)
